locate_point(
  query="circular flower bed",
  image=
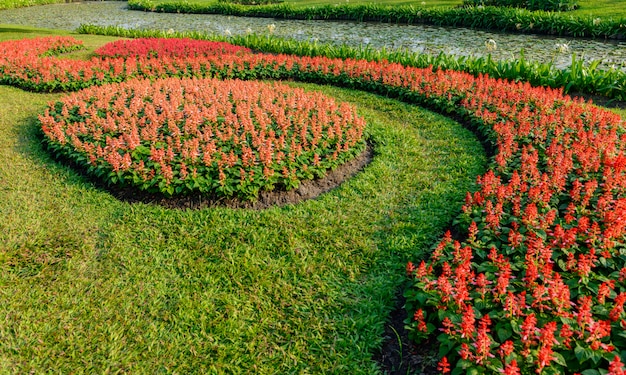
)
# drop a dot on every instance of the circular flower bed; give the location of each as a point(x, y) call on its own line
point(224, 138)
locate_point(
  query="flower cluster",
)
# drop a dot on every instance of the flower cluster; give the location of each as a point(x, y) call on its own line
point(543, 252)
point(160, 48)
point(228, 137)
point(537, 282)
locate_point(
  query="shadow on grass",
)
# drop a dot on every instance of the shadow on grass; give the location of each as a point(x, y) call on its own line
point(15, 30)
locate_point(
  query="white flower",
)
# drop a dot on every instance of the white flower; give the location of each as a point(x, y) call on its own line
point(491, 45)
point(596, 21)
point(562, 47)
point(248, 31)
point(271, 28)
point(227, 32)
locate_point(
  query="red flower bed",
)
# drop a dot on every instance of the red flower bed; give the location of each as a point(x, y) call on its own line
point(537, 284)
point(183, 135)
point(159, 48)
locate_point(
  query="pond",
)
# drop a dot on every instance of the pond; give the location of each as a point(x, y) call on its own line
point(417, 38)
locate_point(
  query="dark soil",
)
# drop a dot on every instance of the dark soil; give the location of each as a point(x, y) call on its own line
point(399, 355)
point(599, 100)
point(308, 189)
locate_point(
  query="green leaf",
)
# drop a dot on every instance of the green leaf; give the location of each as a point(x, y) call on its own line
point(504, 331)
point(558, 358)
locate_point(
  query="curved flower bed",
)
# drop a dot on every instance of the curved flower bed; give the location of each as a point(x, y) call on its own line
point(538, 282)
point(159, 48)
point(178, 136)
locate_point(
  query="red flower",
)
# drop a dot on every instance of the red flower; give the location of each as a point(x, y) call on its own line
point(616, 367)
point(467, 327)
point(506, 348)
point(418, 317)
point(511, 369)
point(483, 341)
point(410, 268)
point(443, 366)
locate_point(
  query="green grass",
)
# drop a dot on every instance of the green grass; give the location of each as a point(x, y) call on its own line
point(615, 9)
point(427, 3)
point(89, 284)
point(9, 4)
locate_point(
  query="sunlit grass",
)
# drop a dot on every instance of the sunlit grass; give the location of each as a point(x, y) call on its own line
point(9, 4)
point(94, 285)
point(615, 9)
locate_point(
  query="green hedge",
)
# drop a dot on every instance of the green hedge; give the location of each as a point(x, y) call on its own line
point(547, 5)
point(489, 17)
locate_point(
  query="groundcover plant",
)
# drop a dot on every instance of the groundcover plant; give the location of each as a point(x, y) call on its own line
point(534, 281)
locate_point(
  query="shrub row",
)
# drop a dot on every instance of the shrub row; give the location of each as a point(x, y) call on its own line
point(547, 5)
point(537, 284)
point(578, 77)
point(479, 17)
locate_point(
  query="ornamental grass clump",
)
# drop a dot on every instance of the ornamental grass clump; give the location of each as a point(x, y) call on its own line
point(224, 138)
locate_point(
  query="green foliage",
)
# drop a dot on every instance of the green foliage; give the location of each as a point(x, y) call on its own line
point(10, 4)
point(546, 5)
point(488, 17)
point(252, 2)
point(578, 77)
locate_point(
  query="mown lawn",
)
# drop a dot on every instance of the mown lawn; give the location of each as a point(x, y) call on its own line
point(90, 284)
point(615, 9)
